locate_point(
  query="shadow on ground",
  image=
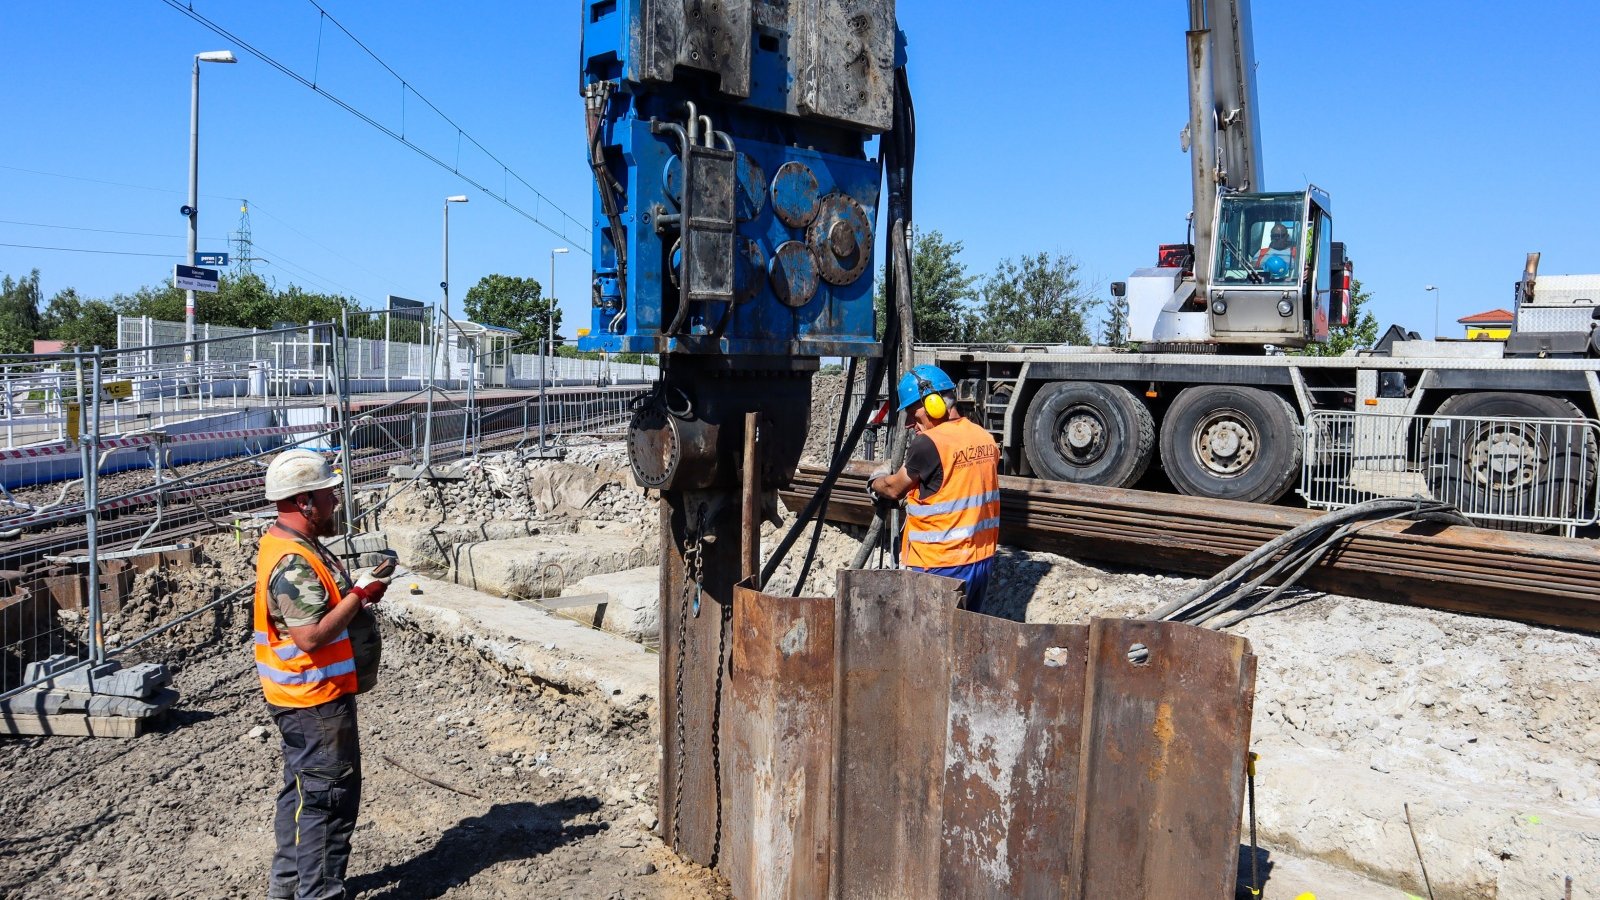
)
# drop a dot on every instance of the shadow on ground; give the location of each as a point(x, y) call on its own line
point(508, 831)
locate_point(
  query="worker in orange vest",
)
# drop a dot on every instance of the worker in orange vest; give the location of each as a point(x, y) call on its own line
point(951, 485)
point(305, 605)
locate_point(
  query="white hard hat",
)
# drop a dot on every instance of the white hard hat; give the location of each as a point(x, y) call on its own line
point(298, 472)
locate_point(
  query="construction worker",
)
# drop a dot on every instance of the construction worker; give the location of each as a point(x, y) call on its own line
point(1277, 258)
point(951, 485)
point(304, 605)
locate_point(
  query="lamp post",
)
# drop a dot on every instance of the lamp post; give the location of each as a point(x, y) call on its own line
point(1434, 289)
point(549, 339)
point(445, 284)
point(192, 211)
point(439, 319)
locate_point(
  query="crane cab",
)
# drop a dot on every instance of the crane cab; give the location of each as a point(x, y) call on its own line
point(1267, 279)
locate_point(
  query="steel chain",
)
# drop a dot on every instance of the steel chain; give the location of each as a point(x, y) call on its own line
point(693, 570)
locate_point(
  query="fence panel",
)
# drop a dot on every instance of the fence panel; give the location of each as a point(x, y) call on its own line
point(1521, 473)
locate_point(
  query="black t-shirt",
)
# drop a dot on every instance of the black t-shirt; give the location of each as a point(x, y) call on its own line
point(923, 465)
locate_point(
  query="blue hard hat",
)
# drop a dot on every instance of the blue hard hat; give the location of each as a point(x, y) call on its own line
point(922, 381)
point(1276, 266)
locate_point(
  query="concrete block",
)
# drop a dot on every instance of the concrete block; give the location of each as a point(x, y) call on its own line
point(553, 650)
point(542, 567)
point(429, 548)
point(133, 708)
point(633, 606)
point(48, 666)
point(111, 680)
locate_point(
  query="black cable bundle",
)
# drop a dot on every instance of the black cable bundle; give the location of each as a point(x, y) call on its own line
point(1293, 552)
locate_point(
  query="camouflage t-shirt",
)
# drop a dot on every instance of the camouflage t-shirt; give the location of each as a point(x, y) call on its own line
point(298, 597)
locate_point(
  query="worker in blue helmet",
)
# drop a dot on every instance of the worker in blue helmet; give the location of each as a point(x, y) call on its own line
point(951, 485)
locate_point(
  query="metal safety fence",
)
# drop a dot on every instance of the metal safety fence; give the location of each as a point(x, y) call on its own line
point(1529, 474)
point(151, 453)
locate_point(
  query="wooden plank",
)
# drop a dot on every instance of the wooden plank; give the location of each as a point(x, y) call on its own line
point(30, 724)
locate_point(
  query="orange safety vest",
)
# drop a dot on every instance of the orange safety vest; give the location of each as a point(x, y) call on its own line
point(960, 522)
point(290, 676)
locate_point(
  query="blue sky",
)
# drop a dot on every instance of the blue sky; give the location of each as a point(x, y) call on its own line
point(1453, 138)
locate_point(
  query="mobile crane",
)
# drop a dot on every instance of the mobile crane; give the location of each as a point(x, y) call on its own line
point(1214, 390)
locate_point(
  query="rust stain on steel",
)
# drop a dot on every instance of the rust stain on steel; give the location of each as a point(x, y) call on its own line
point(778, 756)
point(892, 687)
point(1162, 762)
point(1011, 756)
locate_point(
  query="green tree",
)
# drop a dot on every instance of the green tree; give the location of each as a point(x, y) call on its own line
point(20, 321)
point(1037, 300)
point(511, 302)
point(940, 289)
point(1361, 333)
point(163, 302)
point(80, 322)
point(1114, 322)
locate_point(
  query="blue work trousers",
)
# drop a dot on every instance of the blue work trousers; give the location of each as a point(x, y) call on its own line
point(974, 575)
point(318, 803)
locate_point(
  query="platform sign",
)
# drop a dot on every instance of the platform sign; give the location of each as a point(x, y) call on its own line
point(210, 259)
point(194, 278)
point(404, 310)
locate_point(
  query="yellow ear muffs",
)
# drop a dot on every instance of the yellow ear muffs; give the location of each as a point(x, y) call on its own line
point(935, 406)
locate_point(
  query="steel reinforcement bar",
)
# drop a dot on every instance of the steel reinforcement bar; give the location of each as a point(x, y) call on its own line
point(1539, 579)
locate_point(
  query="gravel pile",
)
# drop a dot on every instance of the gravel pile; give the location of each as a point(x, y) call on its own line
point(593, 483)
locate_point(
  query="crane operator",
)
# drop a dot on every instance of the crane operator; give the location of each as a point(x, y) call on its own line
point(1277, 258)
point(951, 485)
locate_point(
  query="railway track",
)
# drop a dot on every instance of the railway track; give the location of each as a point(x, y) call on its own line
point(216, 500)
point(1539, 579)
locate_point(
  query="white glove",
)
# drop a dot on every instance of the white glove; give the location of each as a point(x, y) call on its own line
point(880, 472)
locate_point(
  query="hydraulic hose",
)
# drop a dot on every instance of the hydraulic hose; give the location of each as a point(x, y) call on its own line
point(1295, 551)
point(899, 153)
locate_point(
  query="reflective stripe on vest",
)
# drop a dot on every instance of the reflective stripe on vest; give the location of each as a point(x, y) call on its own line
point(290, 676)
point(959, 523)
point(291, 650)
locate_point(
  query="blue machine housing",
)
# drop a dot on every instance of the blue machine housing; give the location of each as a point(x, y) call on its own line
point(781, 108)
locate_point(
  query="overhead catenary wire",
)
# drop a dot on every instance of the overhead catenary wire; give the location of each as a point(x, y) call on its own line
point(506, 171)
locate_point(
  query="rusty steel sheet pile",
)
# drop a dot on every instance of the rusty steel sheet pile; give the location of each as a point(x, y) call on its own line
point(886, 743)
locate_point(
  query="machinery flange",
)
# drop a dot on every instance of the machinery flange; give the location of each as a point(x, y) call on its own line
point(841, 239)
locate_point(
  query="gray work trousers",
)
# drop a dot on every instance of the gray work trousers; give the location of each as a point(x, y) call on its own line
point(318, 802)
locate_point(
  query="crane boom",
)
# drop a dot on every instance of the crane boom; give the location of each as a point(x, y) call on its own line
point(1224, 127)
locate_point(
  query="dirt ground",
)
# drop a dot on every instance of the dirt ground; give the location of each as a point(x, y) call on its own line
point(552, 795)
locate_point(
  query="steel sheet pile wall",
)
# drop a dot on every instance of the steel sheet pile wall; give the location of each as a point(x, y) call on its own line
point(888, 744)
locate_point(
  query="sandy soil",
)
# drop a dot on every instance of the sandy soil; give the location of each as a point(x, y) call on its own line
point(562, 791)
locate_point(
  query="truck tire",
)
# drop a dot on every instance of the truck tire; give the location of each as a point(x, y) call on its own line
point(1231, 443)
point(1089, 433)
point(1505, 471)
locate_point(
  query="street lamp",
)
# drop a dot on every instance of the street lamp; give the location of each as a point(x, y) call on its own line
point(1435, 290)
point(192, 211)
point(549, 338)
point(445, 284)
